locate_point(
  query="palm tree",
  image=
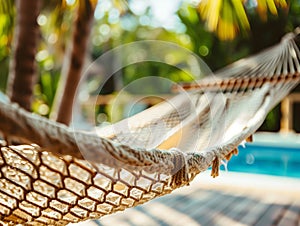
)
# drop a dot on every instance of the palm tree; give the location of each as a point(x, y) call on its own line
point(74, 61)
point(23, 71)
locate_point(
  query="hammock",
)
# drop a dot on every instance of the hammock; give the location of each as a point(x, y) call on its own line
point(60, 175)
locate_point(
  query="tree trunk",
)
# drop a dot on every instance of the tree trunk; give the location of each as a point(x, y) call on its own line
point(75, 61)
point(23, 71)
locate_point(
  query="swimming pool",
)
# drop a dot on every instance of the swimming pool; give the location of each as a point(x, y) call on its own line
point(278, 156)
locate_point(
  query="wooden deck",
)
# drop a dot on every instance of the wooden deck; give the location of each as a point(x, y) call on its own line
point(231, 199)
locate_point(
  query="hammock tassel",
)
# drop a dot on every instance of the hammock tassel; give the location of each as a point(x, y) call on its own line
point(180, 178)
point(235, 151)
point(215, 167)
point(249, 139)
point(180, 175)
point(230, 154)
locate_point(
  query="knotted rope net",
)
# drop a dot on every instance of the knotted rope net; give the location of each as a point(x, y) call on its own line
point(61, 175)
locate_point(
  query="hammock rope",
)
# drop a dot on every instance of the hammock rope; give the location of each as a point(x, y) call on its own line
point(60, 175)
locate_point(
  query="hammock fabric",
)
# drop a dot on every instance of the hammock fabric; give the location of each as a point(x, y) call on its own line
point(70, 176)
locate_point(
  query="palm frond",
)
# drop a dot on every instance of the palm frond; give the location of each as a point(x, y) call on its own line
point(228, 17)
point(263, 6)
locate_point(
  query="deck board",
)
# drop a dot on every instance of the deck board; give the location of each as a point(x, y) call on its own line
point(271, 215)
point(291, 215)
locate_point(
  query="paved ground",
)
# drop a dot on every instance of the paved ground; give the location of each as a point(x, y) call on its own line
point(231, 199)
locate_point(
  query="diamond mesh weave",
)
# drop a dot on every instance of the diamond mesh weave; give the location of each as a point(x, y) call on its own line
point(43, 188)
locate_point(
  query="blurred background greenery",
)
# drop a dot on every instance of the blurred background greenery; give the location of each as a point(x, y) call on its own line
point(219, 31)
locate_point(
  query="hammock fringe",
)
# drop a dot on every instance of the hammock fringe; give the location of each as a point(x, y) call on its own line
point(215, 167)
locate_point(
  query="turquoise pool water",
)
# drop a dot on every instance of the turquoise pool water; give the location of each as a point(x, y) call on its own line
point(267, 158)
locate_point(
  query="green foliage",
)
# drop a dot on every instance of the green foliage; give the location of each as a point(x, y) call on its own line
point(260, 26)
point(3, 73)
point(7, 14)
point(272, 121)
point(148, 69)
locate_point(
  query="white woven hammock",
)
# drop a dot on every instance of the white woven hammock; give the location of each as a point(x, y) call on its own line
point(74, 175)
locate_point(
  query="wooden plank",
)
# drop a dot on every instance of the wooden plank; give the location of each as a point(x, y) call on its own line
point(254, 213)
point(290, 216)
point(185, 201)
point(272, 215)
point(212, 211)
point(169, 215)
point(198, 204)
point(235, 213)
